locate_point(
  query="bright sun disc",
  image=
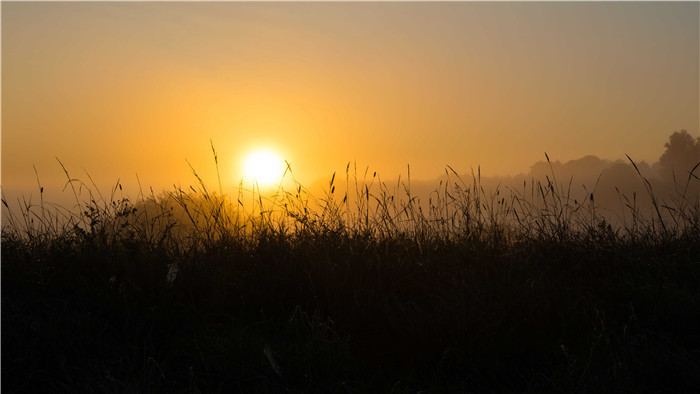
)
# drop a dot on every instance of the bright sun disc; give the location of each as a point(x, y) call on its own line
point(264, 167)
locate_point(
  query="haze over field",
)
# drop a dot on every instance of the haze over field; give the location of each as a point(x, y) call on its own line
point(125, 88)
point(461, 214)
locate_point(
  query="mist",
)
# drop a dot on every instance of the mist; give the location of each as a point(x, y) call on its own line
point(616, 189)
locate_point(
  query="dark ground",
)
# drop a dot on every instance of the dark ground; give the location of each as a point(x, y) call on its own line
point(345, 313)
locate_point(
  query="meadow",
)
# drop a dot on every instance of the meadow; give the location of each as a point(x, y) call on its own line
point(365, 290)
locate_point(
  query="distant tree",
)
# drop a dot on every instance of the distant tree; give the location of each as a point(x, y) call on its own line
point(681, 155)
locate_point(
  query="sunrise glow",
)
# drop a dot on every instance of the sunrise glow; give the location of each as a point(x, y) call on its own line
point(361, 196)
point(263, 167)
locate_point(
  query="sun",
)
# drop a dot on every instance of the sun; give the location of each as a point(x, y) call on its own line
point(264, 167)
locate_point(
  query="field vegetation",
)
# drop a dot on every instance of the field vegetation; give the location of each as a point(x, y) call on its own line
point(366, 290)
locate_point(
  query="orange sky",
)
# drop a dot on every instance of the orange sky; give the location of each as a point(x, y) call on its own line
point(125, 88)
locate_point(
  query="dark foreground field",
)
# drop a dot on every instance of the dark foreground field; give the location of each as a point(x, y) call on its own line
point(468, 295)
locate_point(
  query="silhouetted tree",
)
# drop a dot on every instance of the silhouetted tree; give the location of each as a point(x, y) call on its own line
point(681, 155)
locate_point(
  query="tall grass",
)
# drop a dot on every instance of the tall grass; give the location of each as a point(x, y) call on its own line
point(457, 209)
point(366, 288)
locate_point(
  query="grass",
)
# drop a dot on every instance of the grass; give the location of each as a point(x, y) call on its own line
point(366, 290)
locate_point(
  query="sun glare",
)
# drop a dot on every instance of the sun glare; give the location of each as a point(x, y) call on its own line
point(263, 167)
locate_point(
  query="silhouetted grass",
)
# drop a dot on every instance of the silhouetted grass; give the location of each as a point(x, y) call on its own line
point(368, 290)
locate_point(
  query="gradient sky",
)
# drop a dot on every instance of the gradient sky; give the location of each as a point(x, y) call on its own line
point(125, 88)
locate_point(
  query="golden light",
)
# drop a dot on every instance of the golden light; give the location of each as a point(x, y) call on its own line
point(264, 167)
